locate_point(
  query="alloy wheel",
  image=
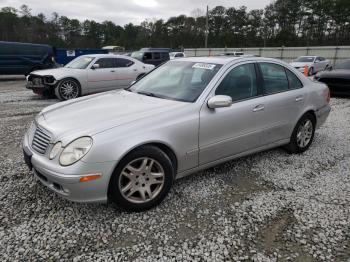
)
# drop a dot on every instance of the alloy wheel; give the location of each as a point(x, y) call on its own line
point(304, 134)
point(69, 89)
point(141, 180)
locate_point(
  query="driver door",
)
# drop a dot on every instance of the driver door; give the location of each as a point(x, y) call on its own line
point(229, 131)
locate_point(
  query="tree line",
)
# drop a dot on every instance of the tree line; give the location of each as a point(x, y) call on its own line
point(281, 23)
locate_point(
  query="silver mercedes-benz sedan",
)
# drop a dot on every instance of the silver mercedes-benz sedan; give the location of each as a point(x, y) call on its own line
point(189, 114)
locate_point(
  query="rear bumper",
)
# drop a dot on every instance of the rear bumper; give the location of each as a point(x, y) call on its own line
point(322, 114)
point(65, 181)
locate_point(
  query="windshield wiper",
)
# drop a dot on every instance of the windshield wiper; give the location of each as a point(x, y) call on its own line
point(149, 94)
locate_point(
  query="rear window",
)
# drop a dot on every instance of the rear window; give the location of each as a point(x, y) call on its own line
point(275, 78)
point(294, 82)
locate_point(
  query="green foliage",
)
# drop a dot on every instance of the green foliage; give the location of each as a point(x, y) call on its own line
point(284, 22)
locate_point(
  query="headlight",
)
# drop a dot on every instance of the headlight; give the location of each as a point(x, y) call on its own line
point(75, 151)
point(55, 150)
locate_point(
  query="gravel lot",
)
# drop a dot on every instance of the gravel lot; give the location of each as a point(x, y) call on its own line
point(268, 207)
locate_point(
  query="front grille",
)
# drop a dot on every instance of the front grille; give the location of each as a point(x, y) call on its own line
point(41, 140)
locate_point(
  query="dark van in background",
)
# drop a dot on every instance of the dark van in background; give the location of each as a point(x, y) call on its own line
point(153, 56)
point(23, 58)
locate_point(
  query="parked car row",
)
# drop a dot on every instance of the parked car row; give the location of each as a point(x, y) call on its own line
point(130, 145)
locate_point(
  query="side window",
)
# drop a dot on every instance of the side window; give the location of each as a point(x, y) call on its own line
point(122, 62)
point(156, 56)
point(294, 82)
point(147, 56)
point(240, 83)
point(165, 56)
point(106, 62)
point(274, 77)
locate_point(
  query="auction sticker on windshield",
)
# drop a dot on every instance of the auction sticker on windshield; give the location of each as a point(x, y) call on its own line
point(204, 66)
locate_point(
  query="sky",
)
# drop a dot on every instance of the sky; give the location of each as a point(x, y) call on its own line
point(122, 12)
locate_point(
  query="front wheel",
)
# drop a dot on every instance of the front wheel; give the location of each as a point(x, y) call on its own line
point(68, 89)
point(142, 179)
point(303, 134)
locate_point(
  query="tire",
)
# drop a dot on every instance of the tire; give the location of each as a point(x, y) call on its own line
point(311, 71)
point(133, 187)
point(303, 134)
point(67, 89)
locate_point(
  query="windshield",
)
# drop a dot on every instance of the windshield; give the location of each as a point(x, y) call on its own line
point(137, 55)
point(305, 59)
point(344, 65)
point(177, 80)
point(80, 62)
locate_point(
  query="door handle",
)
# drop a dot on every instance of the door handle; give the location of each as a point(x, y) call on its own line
point(299, 99)
point(258, 108)
point(112, 71)
point(135, 69)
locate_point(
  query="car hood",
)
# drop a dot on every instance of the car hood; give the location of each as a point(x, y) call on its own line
point(58, 73)
point(337, 73)
point(96, 113)
point(300, 64)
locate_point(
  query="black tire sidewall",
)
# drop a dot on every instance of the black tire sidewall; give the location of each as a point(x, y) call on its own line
point(146, 151)
point(58, 92)
point(293, 146)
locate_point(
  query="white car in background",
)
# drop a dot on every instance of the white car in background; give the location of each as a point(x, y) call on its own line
point(86, 75)
point(174, 55)
point(314, 63)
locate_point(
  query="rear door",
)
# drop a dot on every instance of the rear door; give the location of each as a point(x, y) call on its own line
point(232, 130)
point(126, 71)
point(284, 100)
point(104, 77)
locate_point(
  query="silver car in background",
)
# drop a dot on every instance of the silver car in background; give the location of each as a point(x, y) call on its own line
point(87, 74)
point(187, 115)
point(315, 64)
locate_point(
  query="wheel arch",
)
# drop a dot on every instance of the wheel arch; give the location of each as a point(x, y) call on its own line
point(68, 77)
point(166, 148)
point(311, 112)
point(160, 145)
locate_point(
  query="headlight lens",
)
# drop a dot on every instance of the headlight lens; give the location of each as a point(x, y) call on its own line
point(55, 150)
point(75, 151)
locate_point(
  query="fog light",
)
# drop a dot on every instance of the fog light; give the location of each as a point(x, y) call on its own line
point(90, 178)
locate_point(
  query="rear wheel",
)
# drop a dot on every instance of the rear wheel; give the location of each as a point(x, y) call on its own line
point(68, 89)
point(303, 134)
point(142, 179)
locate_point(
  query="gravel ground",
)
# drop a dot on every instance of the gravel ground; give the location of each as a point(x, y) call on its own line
point(270, 206)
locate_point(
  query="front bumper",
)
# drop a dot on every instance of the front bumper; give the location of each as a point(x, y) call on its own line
point(65, 181)
point(39, 84)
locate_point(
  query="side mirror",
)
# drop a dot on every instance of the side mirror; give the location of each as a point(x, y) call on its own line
point(219, 101)
point(95, 66)
point(316, 62)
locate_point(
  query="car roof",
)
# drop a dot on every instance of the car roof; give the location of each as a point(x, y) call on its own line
point(223, 60)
